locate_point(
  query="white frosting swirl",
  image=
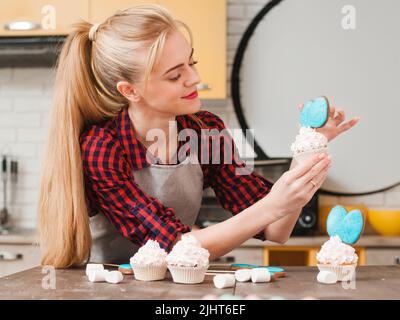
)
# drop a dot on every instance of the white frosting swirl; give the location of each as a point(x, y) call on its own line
point(188, 253)
point(308, 139)
point(149, 254)
point(335, 252)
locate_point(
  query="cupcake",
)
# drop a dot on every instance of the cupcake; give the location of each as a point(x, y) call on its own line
point(148, 263)
point(307, 143)
point(337, 257)
point(188, 261)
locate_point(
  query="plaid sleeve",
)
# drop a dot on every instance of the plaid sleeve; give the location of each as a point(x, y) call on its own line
point(235, 190)
point(136, 215)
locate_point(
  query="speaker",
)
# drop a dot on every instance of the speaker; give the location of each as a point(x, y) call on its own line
point(307, 224)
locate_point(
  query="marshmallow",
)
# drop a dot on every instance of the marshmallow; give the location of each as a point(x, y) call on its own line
point(114, 277)
point(93, 266)
point(224, 281)
point(260, 275)
point(243, 275)
point(327, 277)
point(97, 275)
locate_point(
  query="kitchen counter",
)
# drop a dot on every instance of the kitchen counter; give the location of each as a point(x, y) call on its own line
point(372, 282)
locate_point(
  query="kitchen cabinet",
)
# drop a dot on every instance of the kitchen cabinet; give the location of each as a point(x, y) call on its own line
point(207, 21)
point(40, 17)
point(30, 258)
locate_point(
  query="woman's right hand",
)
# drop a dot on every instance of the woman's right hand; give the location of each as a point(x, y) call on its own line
point(294, 189)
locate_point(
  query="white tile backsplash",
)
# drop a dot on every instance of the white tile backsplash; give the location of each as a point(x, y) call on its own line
point(20, 88)
point(17, 120)
point(7, 135)
point(25, 100)
point(24, 105)
point(236, 10)
point(32, 134)
point(5, 104)
point(252, 10)
point(25, 150)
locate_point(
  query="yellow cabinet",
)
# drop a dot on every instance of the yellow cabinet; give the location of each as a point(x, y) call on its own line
point(207, 20)
point(102, 9)
point(40, 17)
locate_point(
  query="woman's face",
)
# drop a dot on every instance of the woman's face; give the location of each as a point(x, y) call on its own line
point(171, 87)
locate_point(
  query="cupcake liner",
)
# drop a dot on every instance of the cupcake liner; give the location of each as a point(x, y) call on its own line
point(149, 272)
point(187, 275)
point(304, 156)
point(344, 272)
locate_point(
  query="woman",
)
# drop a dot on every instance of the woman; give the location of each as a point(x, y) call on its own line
point(116, 82)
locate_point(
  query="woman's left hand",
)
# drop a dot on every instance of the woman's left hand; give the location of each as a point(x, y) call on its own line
point(334, 125)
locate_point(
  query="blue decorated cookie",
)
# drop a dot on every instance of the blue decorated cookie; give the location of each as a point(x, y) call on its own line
point(315, 113)
point(347, 225)
point(125, 268)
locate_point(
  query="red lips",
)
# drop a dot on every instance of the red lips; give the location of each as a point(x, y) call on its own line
point(192, 95)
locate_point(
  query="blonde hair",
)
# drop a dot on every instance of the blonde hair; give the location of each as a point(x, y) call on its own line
point(86, 93)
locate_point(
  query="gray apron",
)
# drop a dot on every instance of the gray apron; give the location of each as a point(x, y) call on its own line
point(178, 186)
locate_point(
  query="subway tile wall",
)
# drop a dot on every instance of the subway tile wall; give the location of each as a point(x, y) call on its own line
point(25, 99)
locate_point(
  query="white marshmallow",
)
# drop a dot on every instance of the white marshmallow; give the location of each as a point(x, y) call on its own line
point(114, 277)
point(224, 281)
point(327, 277)
point(93, 266)
point(243, 275)
point(97, 275)
point(260, 275)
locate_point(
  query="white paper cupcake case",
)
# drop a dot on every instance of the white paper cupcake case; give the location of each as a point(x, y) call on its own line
point(343, 272)
point(150, 272)
point(303, 156)
point(187, 275)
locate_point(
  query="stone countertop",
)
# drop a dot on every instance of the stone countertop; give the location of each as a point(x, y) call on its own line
point(372, 282)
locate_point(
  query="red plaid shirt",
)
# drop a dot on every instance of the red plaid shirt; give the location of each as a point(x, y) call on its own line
point(110, 152)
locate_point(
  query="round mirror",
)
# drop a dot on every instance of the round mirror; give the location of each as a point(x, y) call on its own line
point(294, 51)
